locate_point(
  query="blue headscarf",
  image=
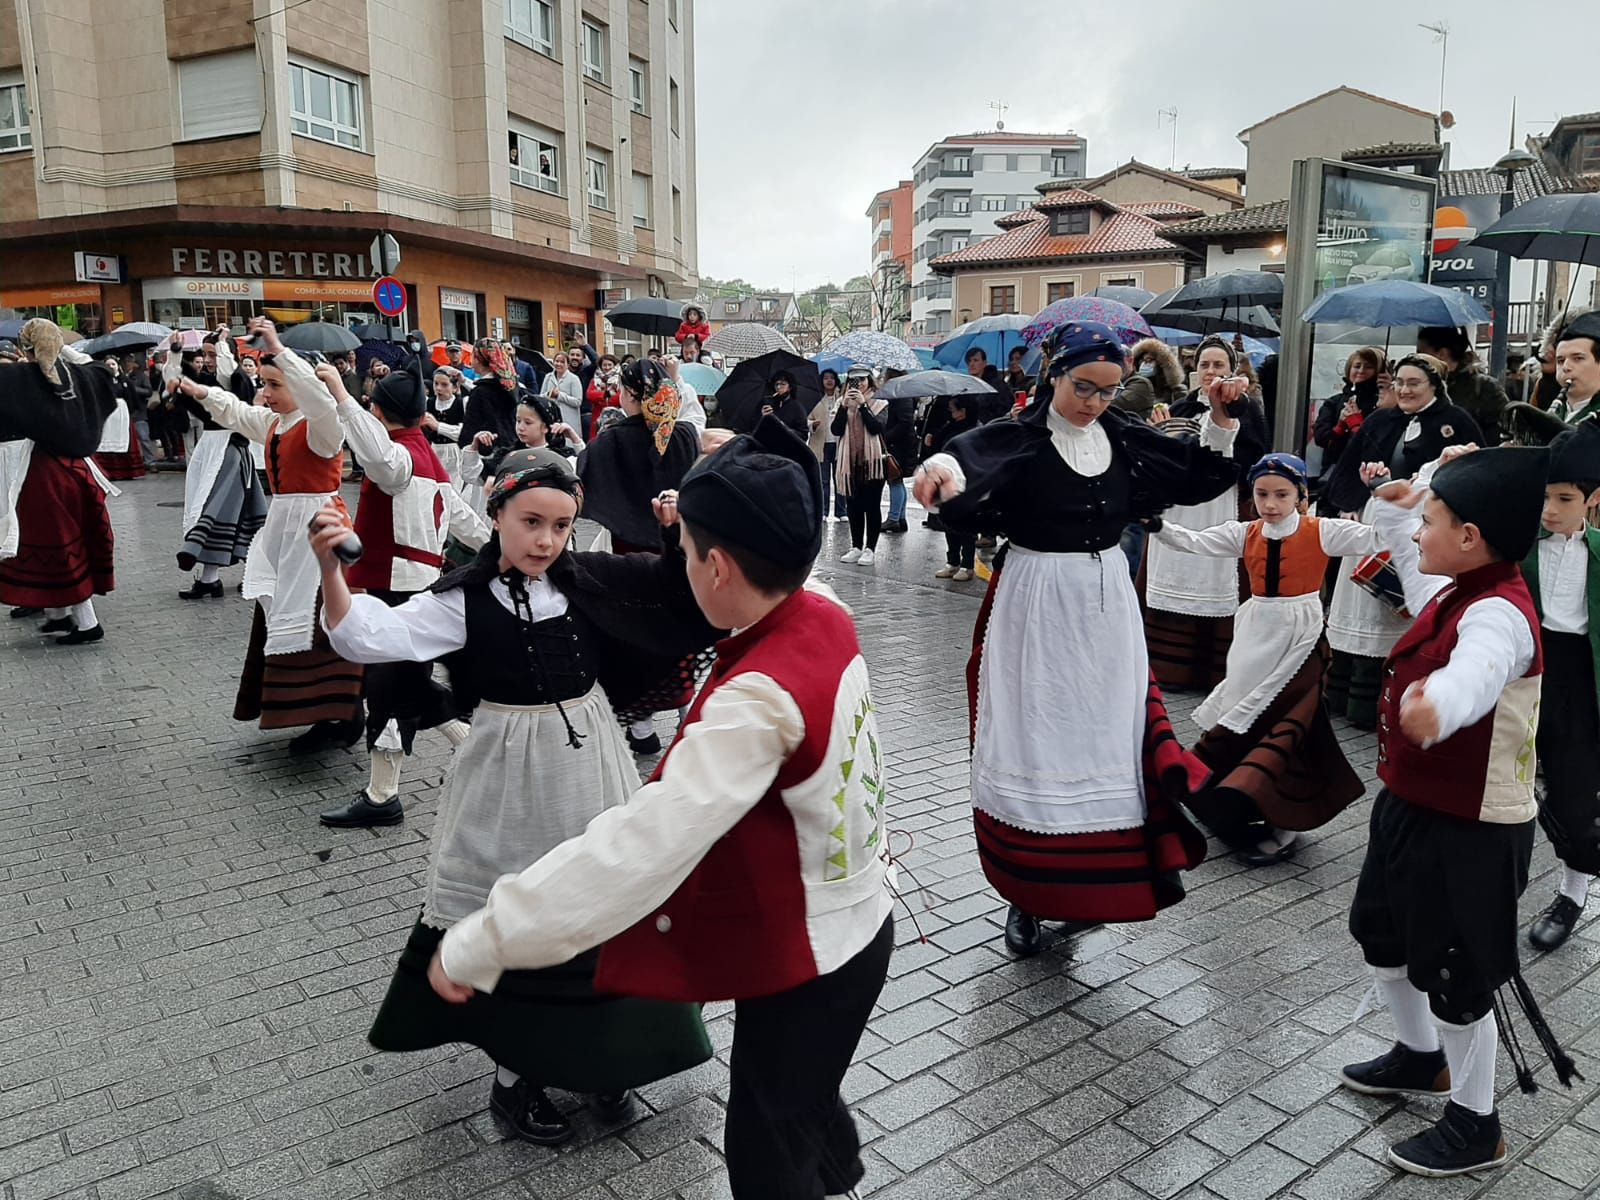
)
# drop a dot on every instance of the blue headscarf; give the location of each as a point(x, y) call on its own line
point(1084, 342)
point(1289, 466)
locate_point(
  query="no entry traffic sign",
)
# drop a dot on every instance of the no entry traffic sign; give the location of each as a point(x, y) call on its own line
point(389, 294)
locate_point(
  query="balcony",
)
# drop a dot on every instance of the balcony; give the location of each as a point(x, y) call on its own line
point(882, 229)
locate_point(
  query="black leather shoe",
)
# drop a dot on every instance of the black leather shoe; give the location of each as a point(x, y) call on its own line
point(1267, 858)
point(202, 591)
point(1462, 1141)
point(1555, 923)
point(529, 1113)
point(1023, 935)
point(1401, 1072)
point(611, 1106)
point(82, 637)
point(59, 625)
point(644, 745)
point(327, 735)
point(24, 612)
point(362, 813)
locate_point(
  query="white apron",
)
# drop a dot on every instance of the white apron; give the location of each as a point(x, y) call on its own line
point(1272, 638)
point(205, 464)
point(14, 459)
point(282, 573)
point(114, 436)
point(1358, 622)
point(1192, 584)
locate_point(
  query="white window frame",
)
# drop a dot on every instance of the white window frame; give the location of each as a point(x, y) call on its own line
point(596, 68)
point(675, 103)
point(601, 197)
point(539, 31)
point(532, 141)
point(991, 204)
point(961, 164)
point(960, 205)
point(16, 135)
point(639, 86)
point(1061, 166)
point(643, 213)
point(244, 113)
point(305, 123)
point(1122, 279)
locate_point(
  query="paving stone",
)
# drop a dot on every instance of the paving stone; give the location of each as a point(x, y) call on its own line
point(1259, 1173)
point(1170, 1168)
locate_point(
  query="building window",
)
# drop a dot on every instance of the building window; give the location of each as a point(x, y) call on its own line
point(535, 158)
point(599, 172)
point(1132, 281)
point(960, 242)
point(991, 204)
point(1061, 166)
point(961, 205)
point(672, 103)
point(1588, 156)
point(768, 305)
point(638, 84)
point(594, 52)
point(325, 105)
point(1069, 221)
point(960, 164)
point(1059, 291)
point(16, 133)
point(533, 23)
point(219, 95)
point(641, 200)
point(1003, 299)
point(677, 214)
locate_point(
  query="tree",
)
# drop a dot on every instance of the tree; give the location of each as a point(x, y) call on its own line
point(889, 291)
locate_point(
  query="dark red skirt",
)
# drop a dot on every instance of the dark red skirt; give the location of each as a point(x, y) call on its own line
point(65, 545)
point(128, 465)
point(287, 691)
point(1118, 875)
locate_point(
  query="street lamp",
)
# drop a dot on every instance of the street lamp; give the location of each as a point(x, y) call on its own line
point(1511, 162)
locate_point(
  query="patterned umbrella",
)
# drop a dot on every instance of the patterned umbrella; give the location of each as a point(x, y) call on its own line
point(870, 348)
point(746, 339)
point(1130, 326)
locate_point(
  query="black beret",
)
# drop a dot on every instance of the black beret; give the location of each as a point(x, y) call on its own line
point(761, 492)
point(1575, 456)
point(399, 393)
point(1501, 491)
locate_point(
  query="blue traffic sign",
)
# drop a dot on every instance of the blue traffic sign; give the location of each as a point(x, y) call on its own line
point(389, 294)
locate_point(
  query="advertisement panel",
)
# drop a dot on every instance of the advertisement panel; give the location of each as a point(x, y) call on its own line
point(1371, 229)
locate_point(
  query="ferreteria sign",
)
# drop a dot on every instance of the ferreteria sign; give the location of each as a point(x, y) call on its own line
point(269, 264)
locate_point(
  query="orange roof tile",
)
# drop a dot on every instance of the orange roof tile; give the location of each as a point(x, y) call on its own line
point(1121, 233)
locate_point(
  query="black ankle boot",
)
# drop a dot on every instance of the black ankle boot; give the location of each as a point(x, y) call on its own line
point(1462, 1141)
point(1023, 935)
point(529, 1113)
point(1401, 1072)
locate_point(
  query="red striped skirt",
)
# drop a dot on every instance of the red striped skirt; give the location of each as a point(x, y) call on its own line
point(286, 691)
point(64, 544)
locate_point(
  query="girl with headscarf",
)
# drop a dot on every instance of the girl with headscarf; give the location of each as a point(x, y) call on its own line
point(1189, 601)
point(1362, 628)
point(56, 545)
point(1076, 776)
point(541, 643)
point(1276, 765)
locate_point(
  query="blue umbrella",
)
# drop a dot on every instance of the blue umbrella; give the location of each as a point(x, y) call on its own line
point(995, 336)
point(12, 329)
point(1255, 349)
point(703, 379)
point(1386, 303)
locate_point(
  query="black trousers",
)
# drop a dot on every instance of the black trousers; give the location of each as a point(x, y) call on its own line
point(789, 1135)
point(863, 507)
point(960, 548)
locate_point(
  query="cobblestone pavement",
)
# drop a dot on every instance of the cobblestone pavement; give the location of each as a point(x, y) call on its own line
point(194, 962)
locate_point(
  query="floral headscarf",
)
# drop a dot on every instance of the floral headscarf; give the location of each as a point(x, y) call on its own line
point(661, 414)
point(490, 358)
point(42, 341)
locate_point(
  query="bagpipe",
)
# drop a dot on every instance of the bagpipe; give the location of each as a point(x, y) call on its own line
point(1527, 425)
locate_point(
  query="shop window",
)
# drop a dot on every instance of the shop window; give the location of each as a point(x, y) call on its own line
point(219, 95)
point(16, 131)
point(533, 23)
point(595, 53)
point(325, 105)
point(1059, 291)
point(641, 200)
point(598, 169)
point(524, 320)
point(535, 157)
point(638, 85)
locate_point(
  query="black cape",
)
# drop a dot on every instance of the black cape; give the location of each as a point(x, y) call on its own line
point(622, 473)
point(65, 419)
point(1379, 440)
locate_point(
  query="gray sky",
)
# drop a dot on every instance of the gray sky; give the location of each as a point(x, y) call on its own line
point(806, 110)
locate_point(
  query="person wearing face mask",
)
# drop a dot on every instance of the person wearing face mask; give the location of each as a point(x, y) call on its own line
point(1190, 601)
point(1340, 416)
point(1157, 378)
point(1362, 629)
point(540, 641)
point(1076, 775)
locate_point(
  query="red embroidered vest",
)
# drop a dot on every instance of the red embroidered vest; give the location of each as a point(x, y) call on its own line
point(375, 518)
point(1485, 771)
point(1291, 566)
point(294, 468)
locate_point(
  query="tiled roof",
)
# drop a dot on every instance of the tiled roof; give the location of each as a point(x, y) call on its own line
point(1331, 91)
point(1070, 197)
point(1260, 218)
point(1212, 172)
point(1013, 219)
point(1186, 178)
point(1395, 150)
point(1539, 180)
point(1122, 233)
point(1164, 210)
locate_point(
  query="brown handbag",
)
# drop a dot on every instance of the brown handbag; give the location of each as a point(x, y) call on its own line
point(891, 469)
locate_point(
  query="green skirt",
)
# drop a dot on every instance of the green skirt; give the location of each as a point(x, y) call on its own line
point(549, 1026)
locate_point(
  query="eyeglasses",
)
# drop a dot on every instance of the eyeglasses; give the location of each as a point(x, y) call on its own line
point(1084, 390)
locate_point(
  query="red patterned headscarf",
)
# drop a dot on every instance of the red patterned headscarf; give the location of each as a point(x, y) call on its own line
point(490, 359)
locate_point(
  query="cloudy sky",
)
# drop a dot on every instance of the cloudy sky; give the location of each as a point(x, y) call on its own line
point(806, 110)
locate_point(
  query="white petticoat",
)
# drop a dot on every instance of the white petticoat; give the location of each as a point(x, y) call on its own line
point(1358, 622)
point(282, 573)
point(1192, 584)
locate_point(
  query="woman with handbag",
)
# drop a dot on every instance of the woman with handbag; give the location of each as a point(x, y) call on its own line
point(861, 470)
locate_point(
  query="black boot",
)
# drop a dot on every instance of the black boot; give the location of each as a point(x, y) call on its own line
point(59, 625)
point(24, 612)
point(327, 735)
point(82, 637)
point(529, 1112)
point(1023, 935)
point(1462, 1141)
point(363, 813)
point(1555, 923)
point(1401, 1072)
point(611, 1106)
point(203, 591)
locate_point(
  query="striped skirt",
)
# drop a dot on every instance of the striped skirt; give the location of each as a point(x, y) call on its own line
point(286, 691)
point(232, 514)
point(1189, 654)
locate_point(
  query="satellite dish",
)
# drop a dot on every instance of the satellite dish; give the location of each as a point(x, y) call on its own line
point(999, 126)
point(1447, 119)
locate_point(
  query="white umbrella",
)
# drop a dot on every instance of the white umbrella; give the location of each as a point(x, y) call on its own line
point(746, 339)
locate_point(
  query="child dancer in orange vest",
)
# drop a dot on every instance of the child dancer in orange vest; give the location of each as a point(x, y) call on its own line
point(1277, 768)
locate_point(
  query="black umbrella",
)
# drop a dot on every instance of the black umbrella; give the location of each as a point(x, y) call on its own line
point(374, 333)
point(540, 363)
point(1233, 291)
point(1560, 228)
point(649, 315)
point(117, 342)
point(1252, 321)
point(749, 386)
point(934, 383)
point(320, 336)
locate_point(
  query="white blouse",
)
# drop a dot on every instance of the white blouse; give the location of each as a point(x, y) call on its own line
point(427, 626)
point(1564, 582)
point(1084, 448)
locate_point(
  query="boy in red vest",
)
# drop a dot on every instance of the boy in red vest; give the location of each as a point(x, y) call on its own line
point(1435, 910)
point(752, 867)
point(408, 506)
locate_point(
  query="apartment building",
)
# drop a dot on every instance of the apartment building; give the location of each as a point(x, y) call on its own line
point(890, 215)
point(963, 186)
point(194, 161)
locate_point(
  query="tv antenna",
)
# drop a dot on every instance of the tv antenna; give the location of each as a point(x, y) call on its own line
point(1170, 114)
point(999, 113)
point(1441, 38)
